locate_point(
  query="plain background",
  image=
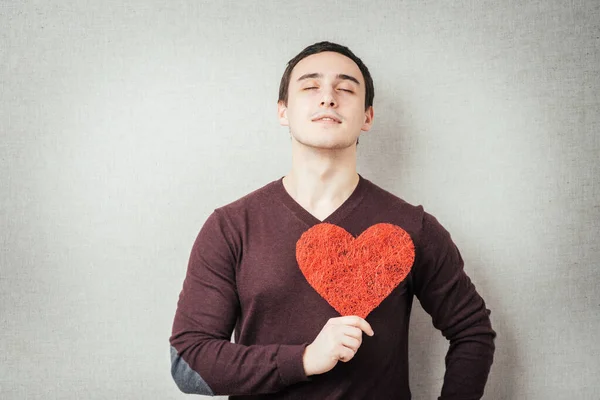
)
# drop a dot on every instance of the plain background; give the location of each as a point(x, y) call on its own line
point(124, 125)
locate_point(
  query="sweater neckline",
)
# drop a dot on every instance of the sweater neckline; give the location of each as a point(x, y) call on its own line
point(336, 217)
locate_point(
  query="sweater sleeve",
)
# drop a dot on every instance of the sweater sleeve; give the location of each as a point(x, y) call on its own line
point(203, 359)
point(457, 310)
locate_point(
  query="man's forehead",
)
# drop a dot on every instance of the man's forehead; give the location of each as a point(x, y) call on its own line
point(326, 65)
point(318, 75)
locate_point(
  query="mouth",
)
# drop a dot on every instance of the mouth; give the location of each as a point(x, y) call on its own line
point(328, 121)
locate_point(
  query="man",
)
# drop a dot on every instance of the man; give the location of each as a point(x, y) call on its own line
point(315, 272)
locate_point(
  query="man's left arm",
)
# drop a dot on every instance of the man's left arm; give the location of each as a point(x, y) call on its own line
point(457, 310)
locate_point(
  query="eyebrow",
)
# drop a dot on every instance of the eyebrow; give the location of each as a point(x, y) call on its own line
point(338, 76)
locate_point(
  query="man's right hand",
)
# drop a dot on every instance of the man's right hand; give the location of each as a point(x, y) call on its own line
point(339, 340)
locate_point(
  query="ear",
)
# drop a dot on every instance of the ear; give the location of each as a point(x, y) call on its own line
point(368, 119)
point(282, 114)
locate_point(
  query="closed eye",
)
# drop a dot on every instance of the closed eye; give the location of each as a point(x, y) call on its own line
point(345, 90)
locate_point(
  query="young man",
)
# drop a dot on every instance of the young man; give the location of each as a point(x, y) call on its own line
point(315, 272)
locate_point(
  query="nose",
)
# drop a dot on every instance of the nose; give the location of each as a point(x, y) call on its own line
point(328, 100)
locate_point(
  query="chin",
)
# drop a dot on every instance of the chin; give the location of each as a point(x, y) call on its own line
point(322, 143)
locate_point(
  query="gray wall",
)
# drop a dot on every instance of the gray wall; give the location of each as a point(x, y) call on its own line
point(124, 125)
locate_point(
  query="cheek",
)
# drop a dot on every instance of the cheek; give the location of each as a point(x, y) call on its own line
point(297, 112)
point(357, 117)
point(296, 117)
point(360, 112)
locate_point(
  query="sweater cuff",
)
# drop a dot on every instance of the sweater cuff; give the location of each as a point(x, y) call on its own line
point(290, 363)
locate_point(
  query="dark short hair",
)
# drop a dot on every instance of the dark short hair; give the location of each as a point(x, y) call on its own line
point(318, 48)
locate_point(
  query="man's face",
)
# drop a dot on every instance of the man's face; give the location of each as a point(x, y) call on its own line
point(326, 83)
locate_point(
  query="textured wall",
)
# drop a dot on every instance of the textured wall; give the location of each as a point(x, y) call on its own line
point(124, 125)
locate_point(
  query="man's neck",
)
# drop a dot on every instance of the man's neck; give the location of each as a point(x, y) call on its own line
point(321, 180)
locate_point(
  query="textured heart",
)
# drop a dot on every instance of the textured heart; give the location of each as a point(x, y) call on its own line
point(355, 275)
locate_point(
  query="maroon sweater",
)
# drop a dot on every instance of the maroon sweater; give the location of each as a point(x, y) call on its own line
point(243, 276)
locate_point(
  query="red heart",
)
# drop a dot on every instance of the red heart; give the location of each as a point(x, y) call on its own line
point(355, 275)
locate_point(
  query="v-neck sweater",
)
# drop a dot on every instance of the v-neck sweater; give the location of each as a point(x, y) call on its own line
point(243, 277)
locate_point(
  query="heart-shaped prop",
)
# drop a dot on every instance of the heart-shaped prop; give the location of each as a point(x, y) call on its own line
point(355, 275)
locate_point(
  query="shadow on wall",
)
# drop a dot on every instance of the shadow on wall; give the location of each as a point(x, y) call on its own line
point(384, 152)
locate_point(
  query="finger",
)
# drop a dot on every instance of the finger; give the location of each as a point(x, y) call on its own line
point(356, 321)
point(345, 354)
point(351, 343)
point(352, 331)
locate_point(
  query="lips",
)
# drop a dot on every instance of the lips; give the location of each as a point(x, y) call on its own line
point(327, 119)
